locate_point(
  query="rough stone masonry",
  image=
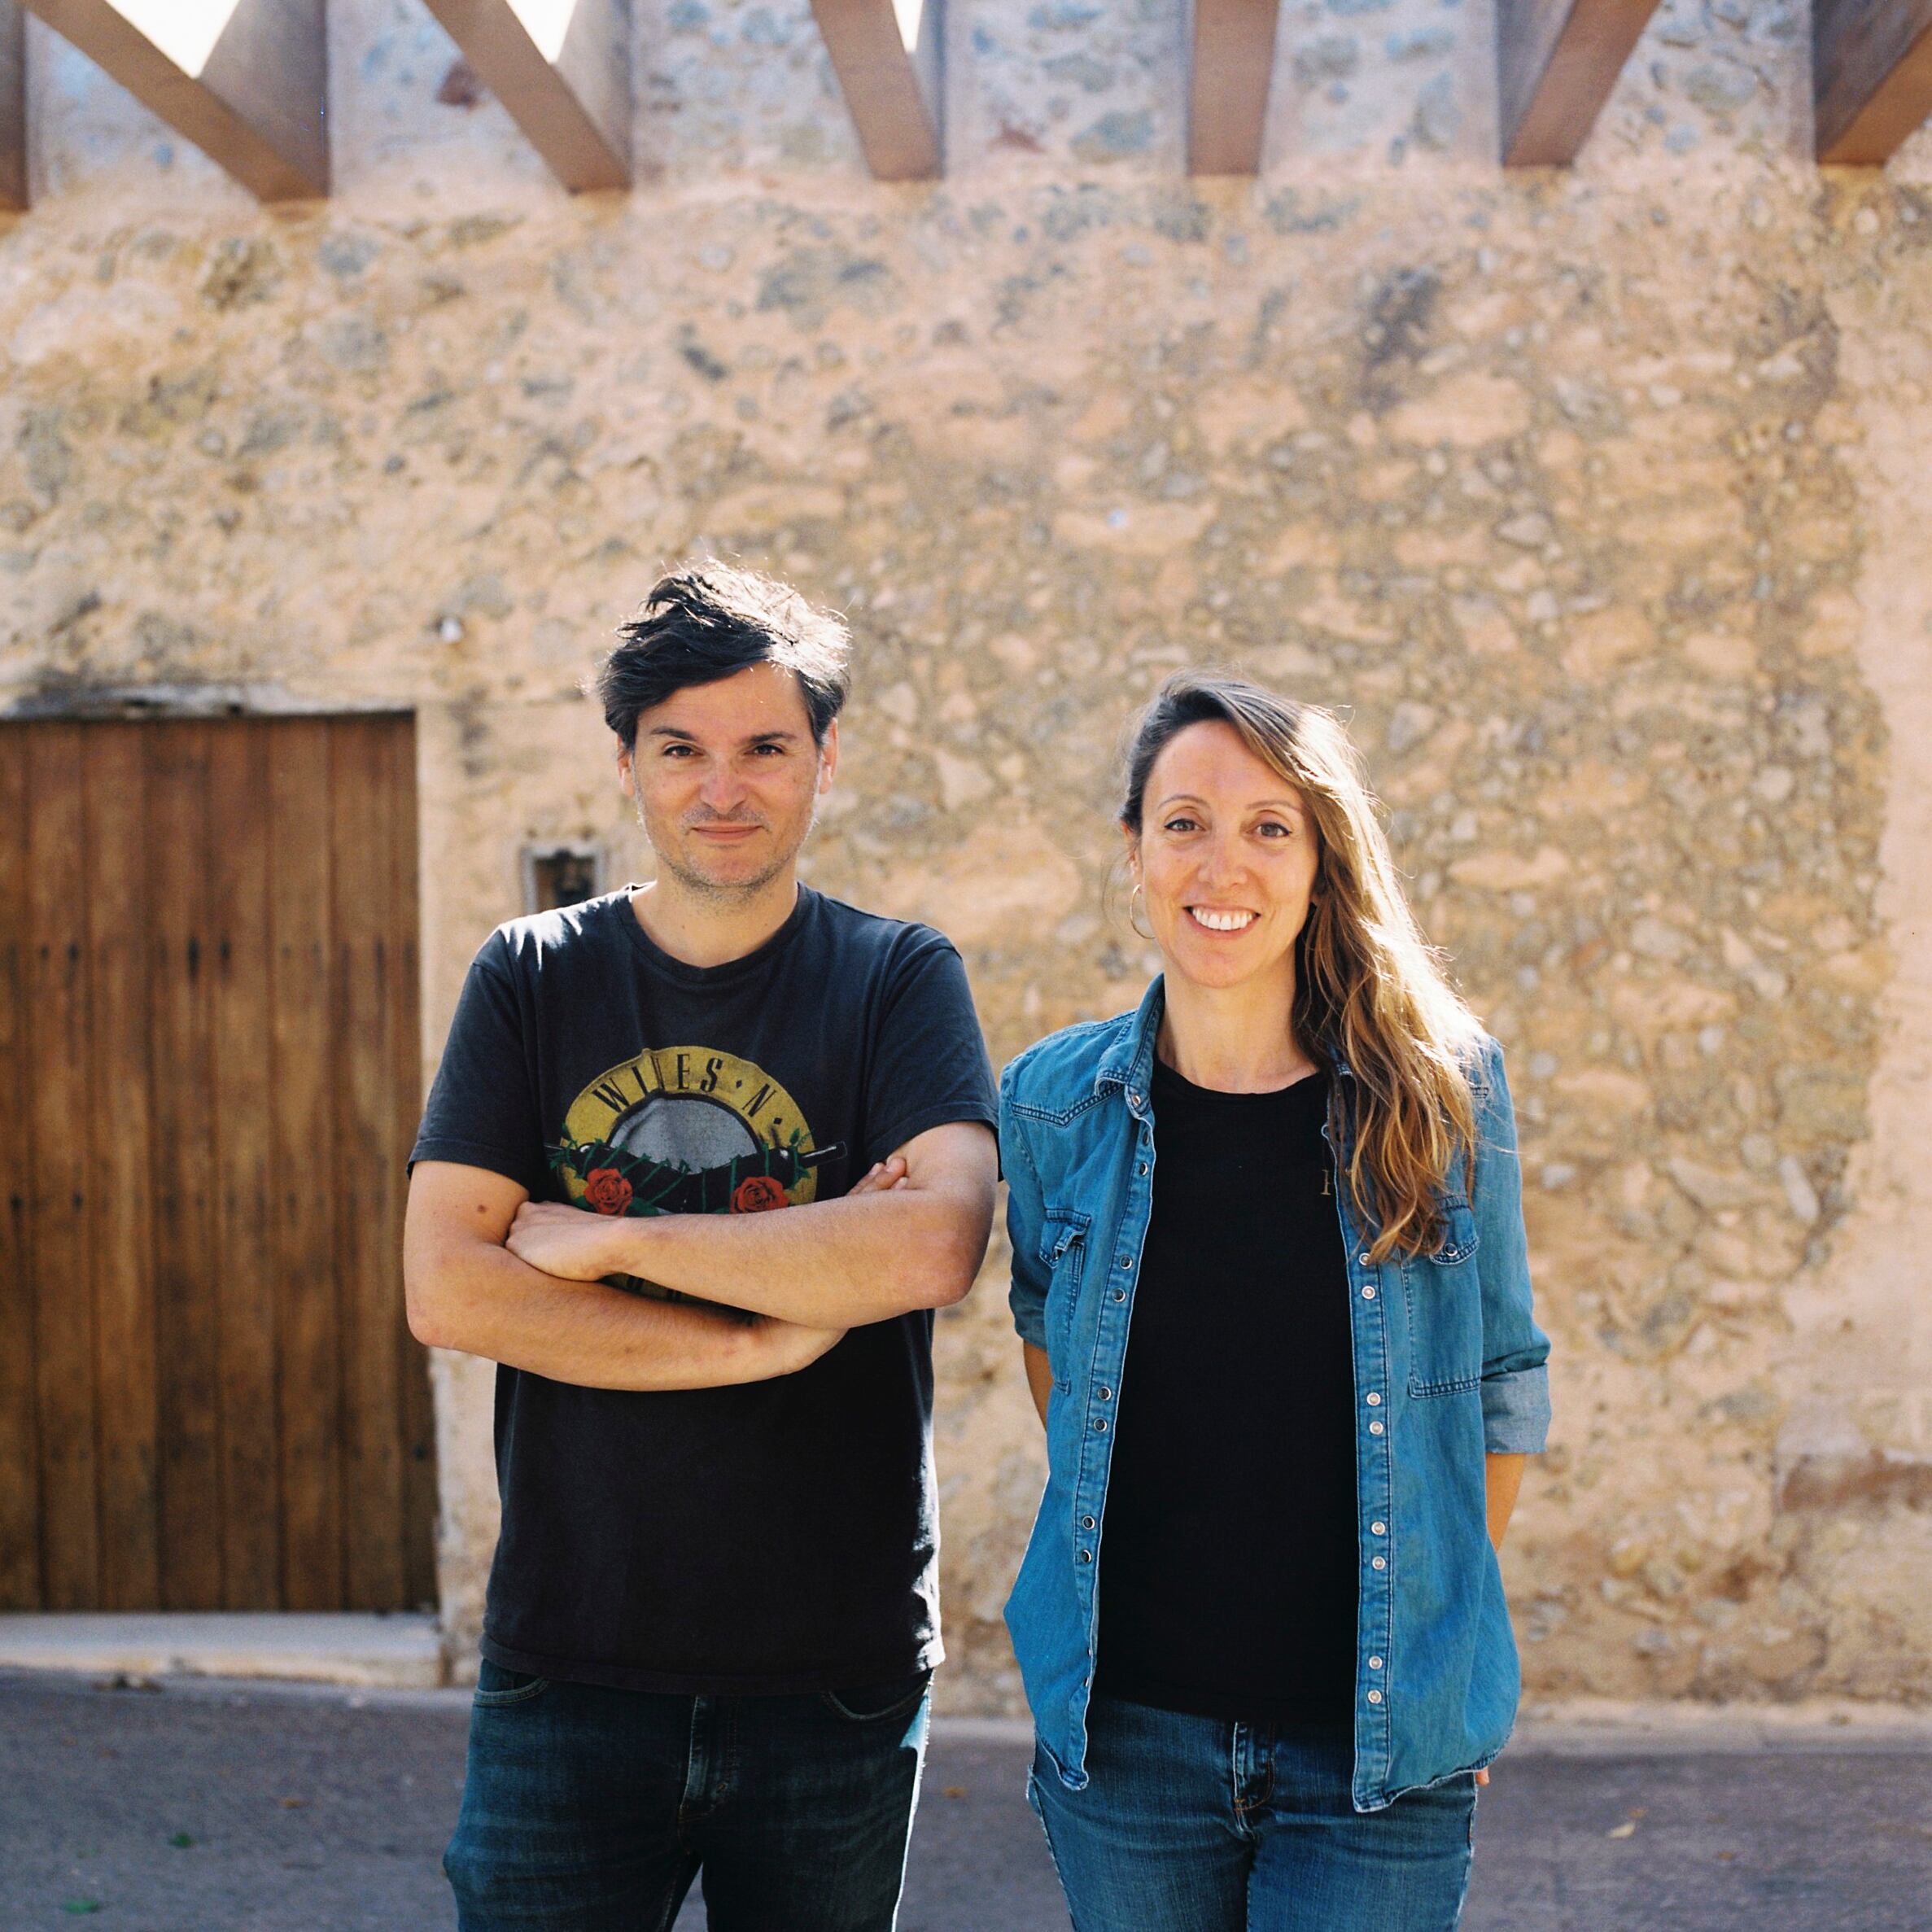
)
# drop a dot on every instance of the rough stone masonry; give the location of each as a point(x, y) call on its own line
point(1597, 501)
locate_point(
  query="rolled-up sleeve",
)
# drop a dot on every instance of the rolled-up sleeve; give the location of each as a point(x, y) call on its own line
point(1515, 1386)
point(1025, 1216)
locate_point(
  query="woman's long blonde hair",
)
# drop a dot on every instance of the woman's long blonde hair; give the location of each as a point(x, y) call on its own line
point(1370, 989)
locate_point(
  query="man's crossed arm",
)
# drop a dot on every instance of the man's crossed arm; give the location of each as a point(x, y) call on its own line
point(915, 1242)
point(490, 1272)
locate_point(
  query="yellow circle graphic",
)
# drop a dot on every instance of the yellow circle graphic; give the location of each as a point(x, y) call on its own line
point(699, 1131)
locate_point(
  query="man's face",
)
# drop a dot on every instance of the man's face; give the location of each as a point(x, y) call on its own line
point(726, 779)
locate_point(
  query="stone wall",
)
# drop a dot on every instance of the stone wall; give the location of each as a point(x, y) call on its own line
point(1594, 500)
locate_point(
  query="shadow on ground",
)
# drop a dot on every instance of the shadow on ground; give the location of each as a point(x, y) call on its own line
point(224, 1809)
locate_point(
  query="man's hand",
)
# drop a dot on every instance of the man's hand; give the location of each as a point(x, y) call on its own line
point(572, 1244)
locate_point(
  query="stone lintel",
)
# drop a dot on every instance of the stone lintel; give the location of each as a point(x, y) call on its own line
point(1871, 77)
point(252, 100)
point(891, 89)
point(1558, 61)
point(572, 99)
point(1231, 60)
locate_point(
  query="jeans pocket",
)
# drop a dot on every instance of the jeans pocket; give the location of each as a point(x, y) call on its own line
point(497, 1687)
point(872, 1703)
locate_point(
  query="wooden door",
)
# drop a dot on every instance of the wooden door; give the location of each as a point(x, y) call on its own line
point(209, 1079)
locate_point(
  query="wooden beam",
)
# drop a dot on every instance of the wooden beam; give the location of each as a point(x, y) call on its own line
point(1227, 84)
point(1558, 61)
point(1871, 77)
point(13, 106)
point(891, 87)
point(562, 68)
point(245, 80)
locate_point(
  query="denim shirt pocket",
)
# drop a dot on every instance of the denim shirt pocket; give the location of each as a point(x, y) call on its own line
point(1063, 1249)
point(1444, 1308)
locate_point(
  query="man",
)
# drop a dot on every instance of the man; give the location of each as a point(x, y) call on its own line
point(713, 1614)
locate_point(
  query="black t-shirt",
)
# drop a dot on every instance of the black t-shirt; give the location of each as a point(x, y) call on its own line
point(1228, 1554)
point(772, 1536)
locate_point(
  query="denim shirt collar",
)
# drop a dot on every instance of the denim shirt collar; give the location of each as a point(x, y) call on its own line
point(1129, 1065)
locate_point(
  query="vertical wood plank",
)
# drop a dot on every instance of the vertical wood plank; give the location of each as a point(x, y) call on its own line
point(187, 1346)
point(572, 100)
point(253, 102)
point(417, 1420)
point(893, 92)
point(120, 1153)
point(1233, 59)
point(367, 1186)
point(19, 1434)
point(1557, 62)
point(302, 1130)
point(58, 1099)
point(239, 1277)
point(13, 183)
point(1871, 77)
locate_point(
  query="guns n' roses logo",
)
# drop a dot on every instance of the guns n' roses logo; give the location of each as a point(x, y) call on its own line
point(686, 1130)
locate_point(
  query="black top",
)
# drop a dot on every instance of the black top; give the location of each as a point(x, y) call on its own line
point(778, 1536)
point(1228, 1554)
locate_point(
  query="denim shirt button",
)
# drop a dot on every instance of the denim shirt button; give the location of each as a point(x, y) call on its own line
point(1120, 1294)
point(1100, 1425)
point(1361, 1260)
point(1123, 1262)
point(1368, 1294)
point(1375, 1401)
point(1374, 1428)
point(1380, 1529)
point(1374, 1663)
point(1378, 1562)
point(1374, 1697)
point(1086, 1522)
point(1104, 1392)
point(1086, 1556)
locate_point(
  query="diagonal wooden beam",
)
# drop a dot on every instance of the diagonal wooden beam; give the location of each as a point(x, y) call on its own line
point(886, 56)
point(562, 68)
point(1232, 55)
point(13, 106)
point(1557, 61)
point(245, 80)
point(1871, 75)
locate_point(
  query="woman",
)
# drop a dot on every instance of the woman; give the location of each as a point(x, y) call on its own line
point(1269, 1271)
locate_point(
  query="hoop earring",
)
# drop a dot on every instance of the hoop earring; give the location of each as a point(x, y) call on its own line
point(1131, 897)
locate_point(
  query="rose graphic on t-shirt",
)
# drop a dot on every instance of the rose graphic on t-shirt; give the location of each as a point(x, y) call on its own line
point(607, 1190)
point(756, 1193)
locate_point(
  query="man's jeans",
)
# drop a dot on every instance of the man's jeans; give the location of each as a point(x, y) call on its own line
point(589, 1810)
point(1189, 1825)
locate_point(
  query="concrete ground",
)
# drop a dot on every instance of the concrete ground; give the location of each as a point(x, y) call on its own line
point(212, 1807)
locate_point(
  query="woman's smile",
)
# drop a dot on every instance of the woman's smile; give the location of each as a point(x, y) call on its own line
point(1219, 919)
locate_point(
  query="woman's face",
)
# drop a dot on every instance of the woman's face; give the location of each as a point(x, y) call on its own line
point(1226, 858)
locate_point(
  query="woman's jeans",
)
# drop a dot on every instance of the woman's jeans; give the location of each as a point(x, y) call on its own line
point(1190, 1825)
point(588, 1810)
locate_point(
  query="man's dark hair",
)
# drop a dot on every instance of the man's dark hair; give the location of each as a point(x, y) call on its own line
point(708, 621)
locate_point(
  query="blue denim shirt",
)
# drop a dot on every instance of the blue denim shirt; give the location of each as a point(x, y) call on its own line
point(1449, 1365)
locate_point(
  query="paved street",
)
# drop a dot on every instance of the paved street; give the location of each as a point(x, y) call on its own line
point(206, 1808)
